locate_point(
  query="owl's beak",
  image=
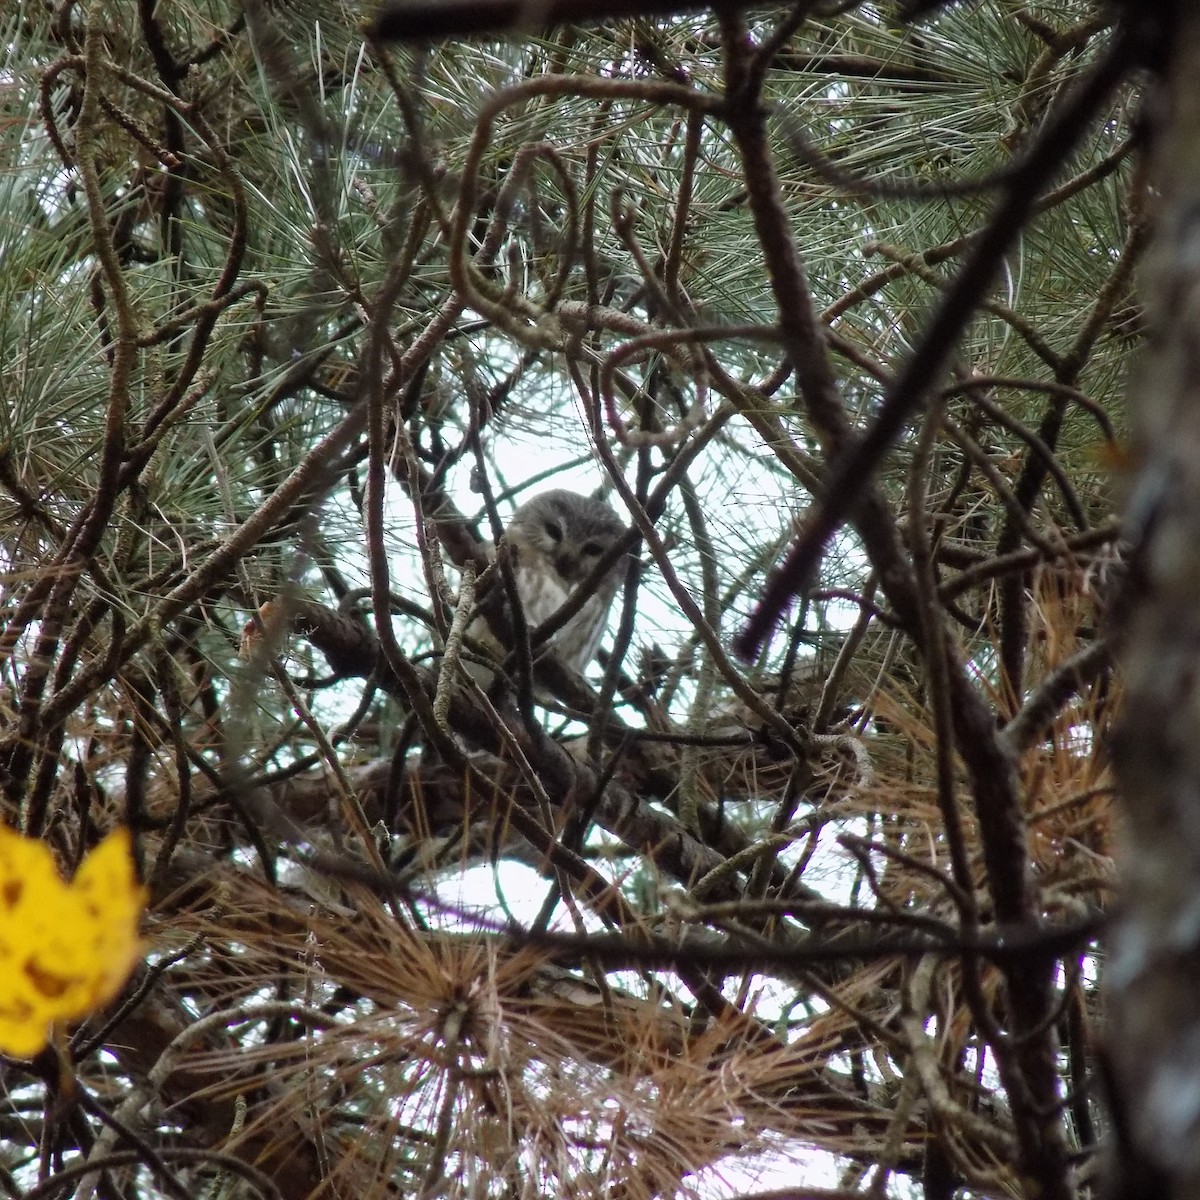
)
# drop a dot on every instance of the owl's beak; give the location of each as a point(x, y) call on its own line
point(567, 566)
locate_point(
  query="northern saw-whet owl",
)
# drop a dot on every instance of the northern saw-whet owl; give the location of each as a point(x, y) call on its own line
point(555, 539)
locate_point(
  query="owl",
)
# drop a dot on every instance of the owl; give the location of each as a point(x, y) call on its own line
point(555, 539)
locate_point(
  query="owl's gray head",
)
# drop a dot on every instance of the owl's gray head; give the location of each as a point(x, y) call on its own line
point(566, 529)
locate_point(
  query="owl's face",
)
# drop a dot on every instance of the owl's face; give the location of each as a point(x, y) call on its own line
point(565, 532)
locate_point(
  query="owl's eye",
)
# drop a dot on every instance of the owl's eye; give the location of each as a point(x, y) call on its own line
point(591, 549)
point(554, 529)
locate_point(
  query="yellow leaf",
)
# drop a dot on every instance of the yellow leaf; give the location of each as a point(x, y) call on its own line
point(65, 949)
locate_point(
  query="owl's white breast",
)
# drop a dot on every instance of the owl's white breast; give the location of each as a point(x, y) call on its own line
point(542, 594)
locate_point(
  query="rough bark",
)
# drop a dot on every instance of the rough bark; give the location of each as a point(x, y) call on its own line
point(1154, 1041)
